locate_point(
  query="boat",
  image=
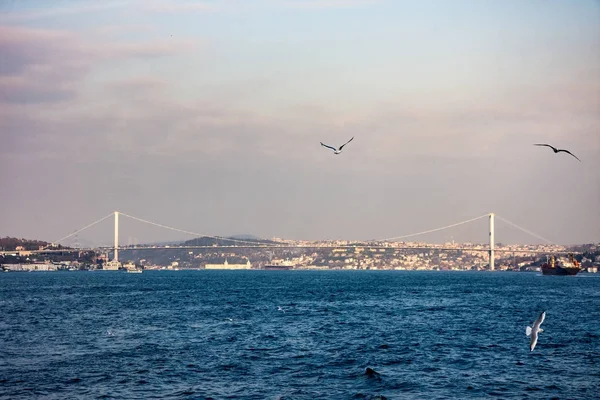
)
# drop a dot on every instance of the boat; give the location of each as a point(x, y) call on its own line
point(134, 271)
point(277, 267)
point(561, 266)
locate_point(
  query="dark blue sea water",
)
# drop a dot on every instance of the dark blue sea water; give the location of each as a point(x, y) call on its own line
point(221, 335)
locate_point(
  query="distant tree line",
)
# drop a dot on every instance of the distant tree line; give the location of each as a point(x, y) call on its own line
point(209, 241)
point(10, 244)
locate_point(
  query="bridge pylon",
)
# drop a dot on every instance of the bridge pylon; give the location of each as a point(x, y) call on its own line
point(491, 251)
point(116, 256)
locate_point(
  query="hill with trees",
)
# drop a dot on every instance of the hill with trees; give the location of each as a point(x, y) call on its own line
point(10, 244)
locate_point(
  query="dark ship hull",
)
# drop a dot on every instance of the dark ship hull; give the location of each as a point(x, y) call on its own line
point(277, 267)
point(547, 270)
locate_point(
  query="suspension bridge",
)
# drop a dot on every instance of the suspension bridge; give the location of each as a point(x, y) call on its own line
point(228, 242)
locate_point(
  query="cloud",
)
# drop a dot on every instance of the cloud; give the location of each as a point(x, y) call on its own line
point(179, 7)
point(143, 50)
point(140, 116)
point(321, 4)
point(36, 88)
point(47, 65)
point(138, 84)
point(117, 29)
point(39, 65)
point(45, 74)
point(52, 12)
point(241, 5)
point(21, 47)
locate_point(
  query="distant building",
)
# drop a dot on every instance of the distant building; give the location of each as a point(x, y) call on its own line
point(316, 267)
point(226, 265)
point(111, 265)
point(29, 267)
point(129, 265)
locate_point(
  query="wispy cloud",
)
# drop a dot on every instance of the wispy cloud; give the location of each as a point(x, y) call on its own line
point(319, 4)
point(162, 6)
point(48, 65)
point(188, 6)
point(19, 15)
point(119, 29)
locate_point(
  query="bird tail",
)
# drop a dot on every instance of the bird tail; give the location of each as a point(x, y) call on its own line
point(540, 330)
point(528, 331)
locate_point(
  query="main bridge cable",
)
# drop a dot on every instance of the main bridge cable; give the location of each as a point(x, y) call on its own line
point(524, 230)
point(193, 233)
point(82, 229)
point(433, 230)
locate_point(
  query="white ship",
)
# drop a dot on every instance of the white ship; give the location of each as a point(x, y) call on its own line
point(131, 268)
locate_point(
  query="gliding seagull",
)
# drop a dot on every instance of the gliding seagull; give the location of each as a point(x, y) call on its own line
point(336, 151)
point(535, 330)
point(556, 150)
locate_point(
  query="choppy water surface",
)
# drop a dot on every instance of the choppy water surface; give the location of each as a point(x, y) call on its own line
point(221, 335)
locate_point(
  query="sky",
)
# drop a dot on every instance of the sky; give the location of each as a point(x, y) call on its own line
point(207, 116)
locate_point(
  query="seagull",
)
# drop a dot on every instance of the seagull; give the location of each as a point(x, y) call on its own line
point(556, 150)
point(280, 309)
point(336, 151)
point(535, 330)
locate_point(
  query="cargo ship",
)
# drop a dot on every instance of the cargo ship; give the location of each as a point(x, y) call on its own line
point(277, 267)
point(561, 266)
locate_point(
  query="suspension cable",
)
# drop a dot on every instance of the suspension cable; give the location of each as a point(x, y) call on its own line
point(189, 232)
point(524, 230)
point(433, 230)
point(82, 229)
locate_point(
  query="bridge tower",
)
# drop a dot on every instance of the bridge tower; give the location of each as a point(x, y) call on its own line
point(116, 257)
point(491, 253)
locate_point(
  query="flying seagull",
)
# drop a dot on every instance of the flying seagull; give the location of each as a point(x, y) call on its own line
point(556, 150)
point(535, 330)
point(336, 151)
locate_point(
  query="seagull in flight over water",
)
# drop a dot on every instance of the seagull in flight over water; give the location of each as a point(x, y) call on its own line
point(556, 150)
point(336, 151)
point(535, 330)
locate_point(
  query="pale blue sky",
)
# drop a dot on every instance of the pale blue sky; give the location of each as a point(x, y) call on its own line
point(209, 119)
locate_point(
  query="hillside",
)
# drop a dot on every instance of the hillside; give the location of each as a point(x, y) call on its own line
point(209, 241)
point(10, 243)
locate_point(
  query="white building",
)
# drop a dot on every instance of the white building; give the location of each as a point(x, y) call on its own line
point(226, 265)
point(111, 265)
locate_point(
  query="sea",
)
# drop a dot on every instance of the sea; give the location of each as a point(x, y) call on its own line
point(297, 335)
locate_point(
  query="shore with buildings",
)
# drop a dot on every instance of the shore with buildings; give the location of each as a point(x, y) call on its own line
point(304, 255)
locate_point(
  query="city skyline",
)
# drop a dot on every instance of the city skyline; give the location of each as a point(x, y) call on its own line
point(207, 116)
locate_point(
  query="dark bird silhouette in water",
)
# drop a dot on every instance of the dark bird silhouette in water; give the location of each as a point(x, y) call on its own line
point(556, 150)
point(336, 151)
point(371, 373)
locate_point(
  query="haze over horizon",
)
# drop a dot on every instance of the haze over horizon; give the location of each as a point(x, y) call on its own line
point(207, 116)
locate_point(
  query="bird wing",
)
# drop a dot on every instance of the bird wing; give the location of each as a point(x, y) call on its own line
point(329, 147)
point(543, 144)
point(528, 331)
point(346, 143)
point(567, 151)
point(534, 336)
point(538, 322)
